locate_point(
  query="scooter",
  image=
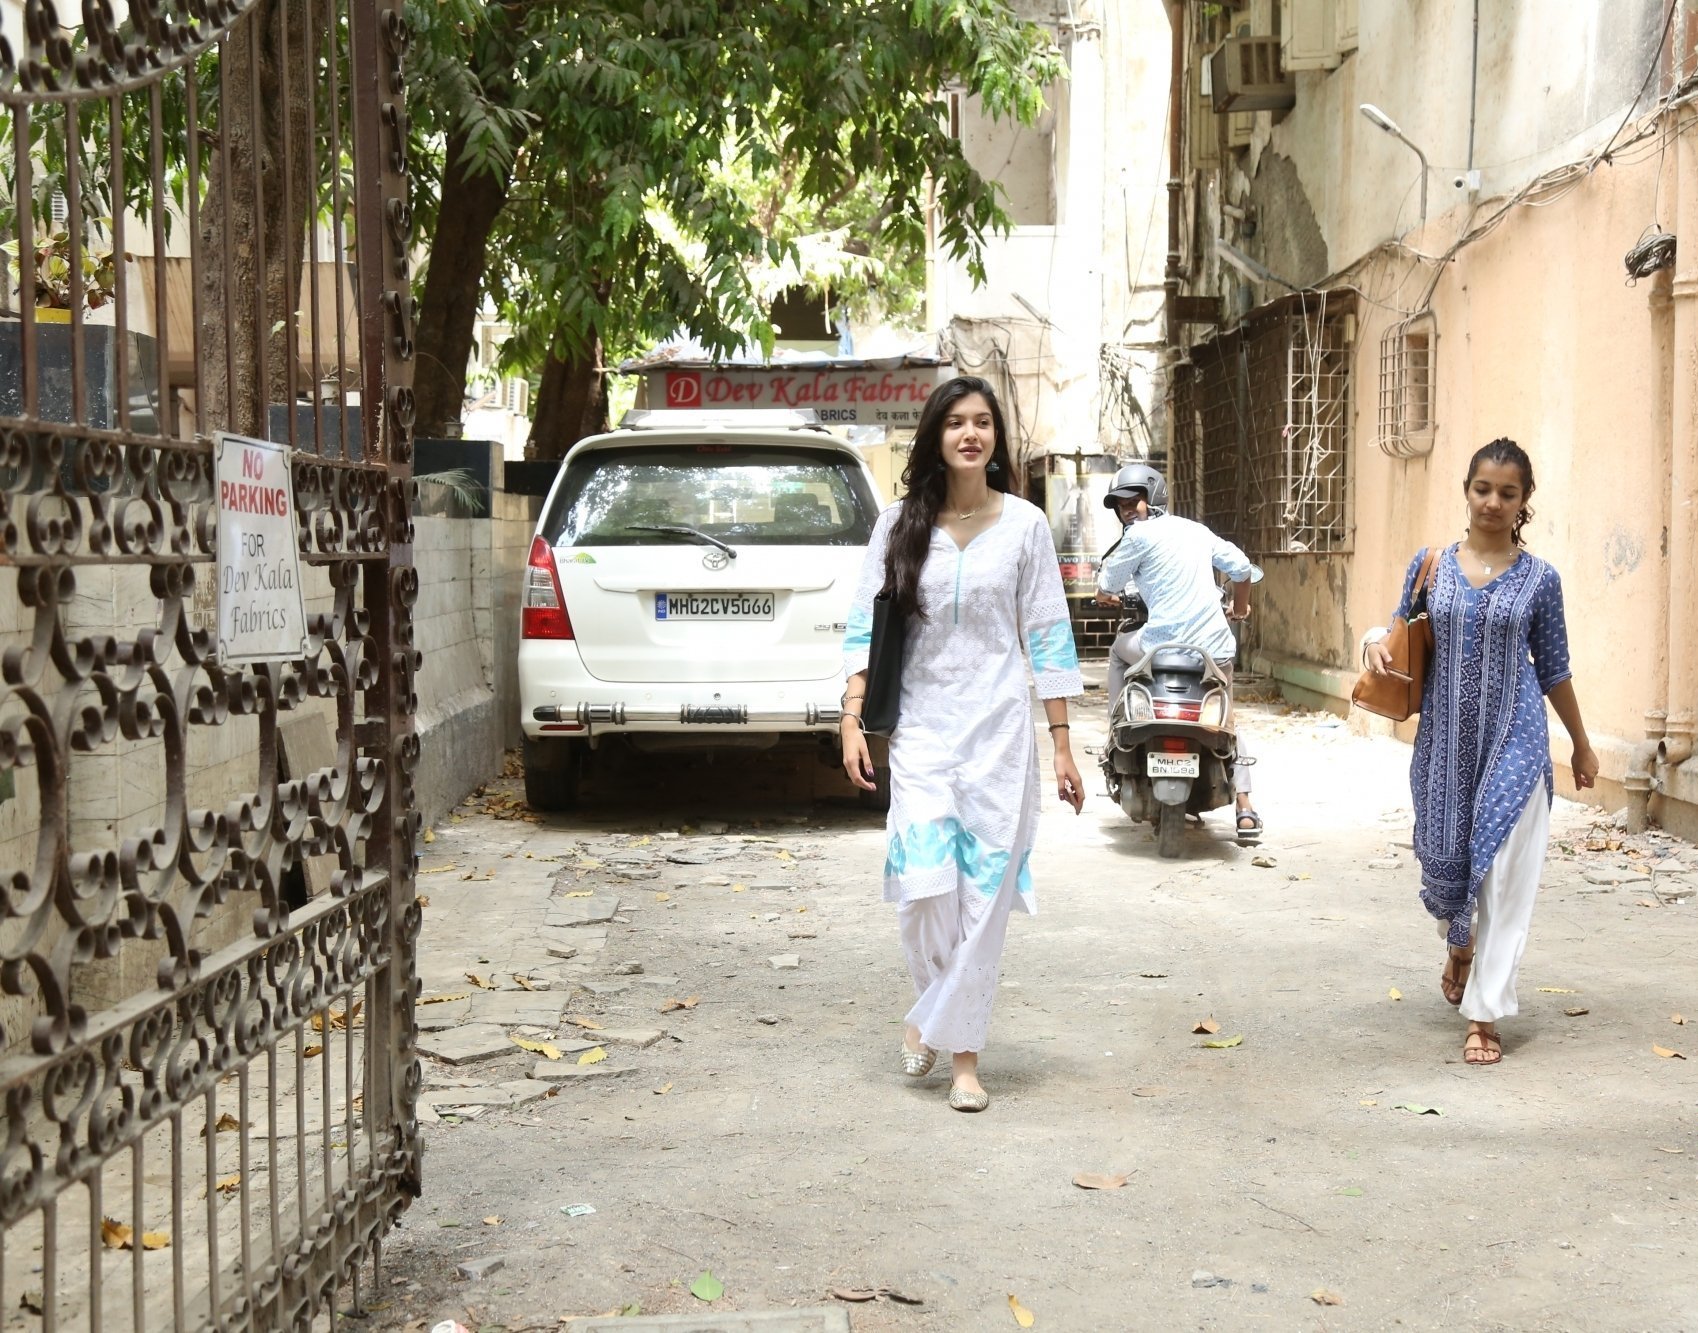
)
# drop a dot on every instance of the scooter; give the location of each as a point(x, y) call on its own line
point(1171, 741)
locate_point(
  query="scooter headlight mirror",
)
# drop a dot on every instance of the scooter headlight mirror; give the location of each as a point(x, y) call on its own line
point(1214, 710)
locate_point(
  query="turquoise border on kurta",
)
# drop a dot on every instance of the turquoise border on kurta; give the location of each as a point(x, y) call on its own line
point(943, 844)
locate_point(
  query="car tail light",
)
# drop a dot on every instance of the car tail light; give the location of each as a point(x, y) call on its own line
point(1173, 745)
point(542, 614)
point(1174, 711)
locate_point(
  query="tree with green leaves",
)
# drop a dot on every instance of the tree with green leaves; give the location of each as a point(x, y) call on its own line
point(607, 171)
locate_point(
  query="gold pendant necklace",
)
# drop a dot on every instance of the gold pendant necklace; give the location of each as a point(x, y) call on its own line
point(974, 512)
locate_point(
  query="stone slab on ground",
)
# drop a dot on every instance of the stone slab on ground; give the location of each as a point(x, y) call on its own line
point(550, 1072)
point(642, 1038)
point(522, 1090)
point(592, 911)
point(821, 1320)
point(466, 1045)
point(518, 1006)
point(487, 1096)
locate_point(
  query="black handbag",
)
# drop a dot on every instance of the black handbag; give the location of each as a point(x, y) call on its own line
point(883, 704)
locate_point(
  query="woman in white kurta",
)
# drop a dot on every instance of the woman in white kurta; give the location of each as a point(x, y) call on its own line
point(976, 570)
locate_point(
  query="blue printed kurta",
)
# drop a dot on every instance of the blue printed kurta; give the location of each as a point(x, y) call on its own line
point(964, 797)
point(1483, 747)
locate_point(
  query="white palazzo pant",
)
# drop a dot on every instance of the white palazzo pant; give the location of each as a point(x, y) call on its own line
point(953, 944)
point(1504, 915)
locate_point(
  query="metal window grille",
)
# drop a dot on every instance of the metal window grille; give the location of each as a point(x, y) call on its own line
point(1185, 445)
point(1274, 439)
point(1407, 376)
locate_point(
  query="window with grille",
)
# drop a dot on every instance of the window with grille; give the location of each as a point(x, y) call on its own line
point(1407, 378)
point(1273, 435)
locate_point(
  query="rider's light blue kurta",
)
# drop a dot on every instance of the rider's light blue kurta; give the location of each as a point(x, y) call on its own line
point(1483, 746)
point(964, 798)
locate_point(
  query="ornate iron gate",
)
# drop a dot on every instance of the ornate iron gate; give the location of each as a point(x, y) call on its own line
point(207, 925)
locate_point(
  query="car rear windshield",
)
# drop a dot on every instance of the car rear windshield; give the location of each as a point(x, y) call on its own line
point(741, 494)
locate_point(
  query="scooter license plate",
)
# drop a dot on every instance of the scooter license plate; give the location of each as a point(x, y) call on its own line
point(1174, 765)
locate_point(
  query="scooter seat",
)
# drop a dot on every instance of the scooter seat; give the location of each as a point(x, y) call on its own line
point(1173, 658)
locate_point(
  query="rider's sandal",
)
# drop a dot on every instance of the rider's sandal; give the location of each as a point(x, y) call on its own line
point(1453, 981)
point(1251, 832)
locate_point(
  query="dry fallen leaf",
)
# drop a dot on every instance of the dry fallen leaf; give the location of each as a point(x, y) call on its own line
point(541, 1048)
point(1679, 1020)
point(1152, 974)
point(1394, 993)
point(672, 1006)
point(114, 1235)
point(663, 1089)
point(1206, 1027)
point(1153, 1090)
point(1675, 1151)
point(739, 888)
point(1087, 1180)
point(1223, 1043)
point(522, 981)
point(856, 1294)
point(663, 897)
point(479, 982)
point(1321, 1296)
point(594, 1056)
point(229, 1184)
point(579, 893)
point(1367, 1101)
point(473, 875)
point(493, 1220)
point(1022, 1316)
point(423, 900)
point(1576, 1013)
point(579, 1021)
point(1666, 1053)
point(440, 870)
point(444, 999)
point(312, 1051)
point(430, 835)
point(1557, 990)
point(227, 1123)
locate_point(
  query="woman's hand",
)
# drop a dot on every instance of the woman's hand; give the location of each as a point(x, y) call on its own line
point(1378, 657)
point(857, 758)
point(1584, 766)
point(1068, 784)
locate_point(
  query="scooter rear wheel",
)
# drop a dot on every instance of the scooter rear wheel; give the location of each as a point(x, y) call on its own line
point(1170, 831)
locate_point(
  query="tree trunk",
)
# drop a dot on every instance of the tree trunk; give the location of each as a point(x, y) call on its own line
point(570, 404)
point(241, 222)
point(452, 288)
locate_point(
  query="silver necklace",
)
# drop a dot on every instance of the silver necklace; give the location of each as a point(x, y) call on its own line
point(1484, 565)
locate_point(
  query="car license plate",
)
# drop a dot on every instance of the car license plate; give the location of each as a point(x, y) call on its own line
point(713, 605)
point(1174, 765)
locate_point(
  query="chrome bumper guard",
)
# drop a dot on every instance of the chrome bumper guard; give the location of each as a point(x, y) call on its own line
point(690, 715)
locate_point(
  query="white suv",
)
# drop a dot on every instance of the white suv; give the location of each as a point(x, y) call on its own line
point(689, 581)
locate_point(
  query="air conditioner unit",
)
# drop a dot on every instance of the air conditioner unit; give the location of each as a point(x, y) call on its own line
point(1247, 75)
point(1345, 25)
point(1308, 39)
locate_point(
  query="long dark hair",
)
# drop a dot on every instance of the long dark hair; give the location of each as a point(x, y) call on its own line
point(925, 482)
point(1505, 452)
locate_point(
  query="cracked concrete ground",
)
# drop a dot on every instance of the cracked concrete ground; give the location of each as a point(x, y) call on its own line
point(767, 1137)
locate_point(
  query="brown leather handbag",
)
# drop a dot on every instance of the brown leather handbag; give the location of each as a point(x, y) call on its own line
point(1396, 693)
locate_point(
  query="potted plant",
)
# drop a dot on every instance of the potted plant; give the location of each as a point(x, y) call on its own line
point(53, 293)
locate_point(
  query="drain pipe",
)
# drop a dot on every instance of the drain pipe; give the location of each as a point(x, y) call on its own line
point(1641, 777)
point(1676, 748)
point(1175, 174)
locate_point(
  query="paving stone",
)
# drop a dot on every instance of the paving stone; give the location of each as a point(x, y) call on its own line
point(717, 881)
point(485, 1096)
point(819, 1320)
point(628, 970)
point(785, 962)
point(639, 1037)
point(562, 951)
point(513, 1007)
point(523, 1090)
point(591, 911)
point(636, 872)
point(687, 858)
point(473, 1269)
point(466, 1045)
point(605, 989)
point(664, 983)
point(1614, 875)
point(771, 886)
point(552, 1071)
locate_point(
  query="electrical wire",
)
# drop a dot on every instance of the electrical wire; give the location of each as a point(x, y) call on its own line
point(1656, 60)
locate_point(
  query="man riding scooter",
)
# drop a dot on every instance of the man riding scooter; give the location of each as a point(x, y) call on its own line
point(1171, 562)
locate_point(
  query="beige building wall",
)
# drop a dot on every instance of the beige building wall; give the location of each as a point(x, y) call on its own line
point(1539, 336)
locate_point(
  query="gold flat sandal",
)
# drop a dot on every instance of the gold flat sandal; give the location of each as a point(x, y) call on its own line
point(962, 1100)
point(917, 1064)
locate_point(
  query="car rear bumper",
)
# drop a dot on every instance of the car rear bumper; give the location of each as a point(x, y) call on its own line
point(557, 697)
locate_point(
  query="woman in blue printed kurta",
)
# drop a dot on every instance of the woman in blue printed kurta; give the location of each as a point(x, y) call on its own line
point(974, 570)
point(1481, 776)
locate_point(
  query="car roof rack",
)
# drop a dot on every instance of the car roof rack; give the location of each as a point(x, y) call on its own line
point(750, 418)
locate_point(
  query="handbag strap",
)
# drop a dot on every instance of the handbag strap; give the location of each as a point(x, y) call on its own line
point(1425, 577)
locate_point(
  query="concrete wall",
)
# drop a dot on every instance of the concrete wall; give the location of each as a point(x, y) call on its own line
point(467, 628)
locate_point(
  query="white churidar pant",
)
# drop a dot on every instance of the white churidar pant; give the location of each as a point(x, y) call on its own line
point(953, 944)
point(1504, 915)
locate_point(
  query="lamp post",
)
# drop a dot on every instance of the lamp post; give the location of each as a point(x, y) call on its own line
point(1386, 123)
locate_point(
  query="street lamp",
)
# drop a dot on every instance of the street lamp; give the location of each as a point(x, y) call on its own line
point(1386, 123)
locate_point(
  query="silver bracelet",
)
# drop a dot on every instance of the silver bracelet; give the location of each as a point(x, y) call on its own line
point(856, 716)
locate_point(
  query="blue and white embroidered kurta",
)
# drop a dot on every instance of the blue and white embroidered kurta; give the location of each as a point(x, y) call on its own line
point(1483, 747)
point(964, 797)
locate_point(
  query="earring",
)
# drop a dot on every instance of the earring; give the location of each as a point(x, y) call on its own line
point(993, 466)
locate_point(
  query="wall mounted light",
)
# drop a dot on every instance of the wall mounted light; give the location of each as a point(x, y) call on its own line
point(1386, 123)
